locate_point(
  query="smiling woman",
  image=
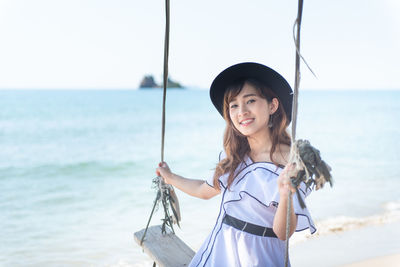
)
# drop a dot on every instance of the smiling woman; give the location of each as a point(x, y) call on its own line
point(250, 176)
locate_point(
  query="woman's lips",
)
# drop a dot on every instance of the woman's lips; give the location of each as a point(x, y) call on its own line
point(246, 122)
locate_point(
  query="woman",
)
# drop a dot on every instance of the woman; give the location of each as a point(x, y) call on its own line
point(256, 103)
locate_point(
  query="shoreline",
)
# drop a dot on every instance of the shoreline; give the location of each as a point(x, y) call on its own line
point(341, 224)
point(370, 244)
point(391, 260)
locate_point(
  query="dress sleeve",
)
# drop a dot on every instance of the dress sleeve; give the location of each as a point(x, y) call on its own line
point(304, 220)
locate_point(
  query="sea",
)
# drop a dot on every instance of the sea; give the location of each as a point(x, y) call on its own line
point(76, 167)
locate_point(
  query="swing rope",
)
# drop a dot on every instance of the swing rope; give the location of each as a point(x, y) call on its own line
point(163, 193)
point(166, 53)
point(297, 24)
point(309, 168)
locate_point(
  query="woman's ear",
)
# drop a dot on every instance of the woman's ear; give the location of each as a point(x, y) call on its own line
point(273, 106)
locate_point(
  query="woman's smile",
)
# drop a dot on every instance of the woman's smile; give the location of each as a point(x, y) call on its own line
point(246, 122)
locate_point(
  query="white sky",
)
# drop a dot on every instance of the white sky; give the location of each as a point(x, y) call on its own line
point(71, 44)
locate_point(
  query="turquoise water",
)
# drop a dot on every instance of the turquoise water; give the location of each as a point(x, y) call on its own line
point(76, 166)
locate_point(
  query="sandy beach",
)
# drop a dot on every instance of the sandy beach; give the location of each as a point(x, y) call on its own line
point(387, 261)
point(375, 245)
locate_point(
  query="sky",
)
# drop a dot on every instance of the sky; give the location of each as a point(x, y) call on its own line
point(99, 44)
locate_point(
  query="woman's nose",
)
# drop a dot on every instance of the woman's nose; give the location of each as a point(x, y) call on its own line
point(243, 110)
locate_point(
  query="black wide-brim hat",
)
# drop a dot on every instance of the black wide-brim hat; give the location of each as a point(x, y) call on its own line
point(251, 70)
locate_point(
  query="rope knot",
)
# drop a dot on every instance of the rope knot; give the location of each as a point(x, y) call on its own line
point(309, 167)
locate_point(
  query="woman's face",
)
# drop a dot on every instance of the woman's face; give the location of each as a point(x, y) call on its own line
point(249, 112)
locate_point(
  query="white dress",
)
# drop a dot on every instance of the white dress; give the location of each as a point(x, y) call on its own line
point(253, 198)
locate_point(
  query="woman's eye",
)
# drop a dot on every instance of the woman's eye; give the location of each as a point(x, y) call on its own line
point(251, 101)
point(234, 106)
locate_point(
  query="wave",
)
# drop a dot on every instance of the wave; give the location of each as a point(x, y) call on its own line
point(97, 168)
point(340, 224)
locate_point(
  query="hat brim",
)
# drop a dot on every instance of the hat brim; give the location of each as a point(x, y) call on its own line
point(251, 70)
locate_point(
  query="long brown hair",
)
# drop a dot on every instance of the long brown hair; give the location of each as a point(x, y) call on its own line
point(236, 145)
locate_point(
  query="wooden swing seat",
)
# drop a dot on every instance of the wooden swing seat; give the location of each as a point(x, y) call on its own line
point(166, 250)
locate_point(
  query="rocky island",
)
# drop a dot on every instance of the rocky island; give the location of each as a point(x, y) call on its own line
point(148, 82)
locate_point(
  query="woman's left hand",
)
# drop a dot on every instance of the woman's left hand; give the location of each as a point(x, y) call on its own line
point(285, 186)
point(284, 183)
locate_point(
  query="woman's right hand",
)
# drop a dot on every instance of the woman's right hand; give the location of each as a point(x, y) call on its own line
point(193, 187)
point(164, 171)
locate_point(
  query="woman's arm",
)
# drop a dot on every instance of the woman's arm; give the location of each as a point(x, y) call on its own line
point(279, 226)
point(193, 187)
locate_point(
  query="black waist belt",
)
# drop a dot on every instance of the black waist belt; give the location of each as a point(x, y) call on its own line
point(248, 227)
